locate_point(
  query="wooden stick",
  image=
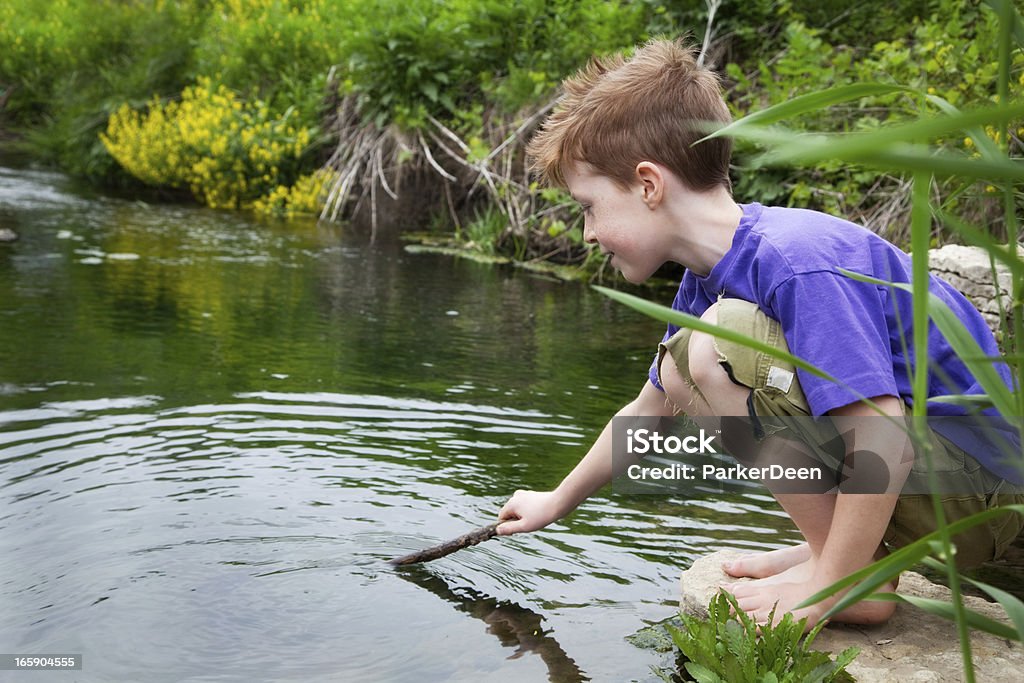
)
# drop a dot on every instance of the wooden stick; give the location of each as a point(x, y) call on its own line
point(464, 541)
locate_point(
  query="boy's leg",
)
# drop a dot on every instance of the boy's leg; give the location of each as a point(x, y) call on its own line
point(720, 396)
point(716, 395)
point(811, 514)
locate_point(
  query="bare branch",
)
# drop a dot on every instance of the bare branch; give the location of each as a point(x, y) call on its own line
point(430, 159)
point(712, 6)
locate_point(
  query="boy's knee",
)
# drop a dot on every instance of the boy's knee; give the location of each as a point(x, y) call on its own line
point(704, 358)
point(676, 387)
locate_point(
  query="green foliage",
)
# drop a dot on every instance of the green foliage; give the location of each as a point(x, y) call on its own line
point(486, 230)
point(948, 52)
point(280, 50)
point(438, 58)
point(227, 152)
point(70, 63)
point(551, 40)
point(728, 647)
point(413, 64)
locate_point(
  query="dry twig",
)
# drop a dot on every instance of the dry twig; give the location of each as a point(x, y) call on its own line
point(464, 541)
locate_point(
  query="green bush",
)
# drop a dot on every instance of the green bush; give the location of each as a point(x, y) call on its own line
point(71, 63)
point(441, 58)
point(277, 50)
point(949, 53)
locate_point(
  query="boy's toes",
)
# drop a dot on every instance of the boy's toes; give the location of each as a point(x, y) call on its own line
point(738, 589)
point(737, 568)
point(749, 567)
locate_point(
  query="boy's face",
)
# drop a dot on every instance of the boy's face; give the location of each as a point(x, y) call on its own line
point(619, 221)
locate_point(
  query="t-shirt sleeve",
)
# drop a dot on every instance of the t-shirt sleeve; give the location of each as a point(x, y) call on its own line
point(838, 325)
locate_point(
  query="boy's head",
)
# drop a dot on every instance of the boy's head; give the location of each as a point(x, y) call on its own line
point(618, 112)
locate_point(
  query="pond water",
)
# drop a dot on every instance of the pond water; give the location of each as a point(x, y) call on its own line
point(214, 432)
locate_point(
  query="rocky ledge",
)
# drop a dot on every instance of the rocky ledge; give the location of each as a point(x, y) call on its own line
point(970, 271)
point(912, 647)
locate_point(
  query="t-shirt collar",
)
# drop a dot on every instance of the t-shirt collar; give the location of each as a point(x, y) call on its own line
point(751, 214)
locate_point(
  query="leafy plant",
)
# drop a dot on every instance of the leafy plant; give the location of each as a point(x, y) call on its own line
point(948, 53)
point(485, 231)
point(70, 63)
point(728, 647)
point(226, 151)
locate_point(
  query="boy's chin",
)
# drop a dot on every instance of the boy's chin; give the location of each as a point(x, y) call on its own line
point(634, 277)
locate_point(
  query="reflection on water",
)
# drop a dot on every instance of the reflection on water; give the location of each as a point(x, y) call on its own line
point(515, 626)
point(214, 433)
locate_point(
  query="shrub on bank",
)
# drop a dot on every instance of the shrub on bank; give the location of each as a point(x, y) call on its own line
point(948, 52)
point(306, 196)
point(66, 65)
point(226, 151)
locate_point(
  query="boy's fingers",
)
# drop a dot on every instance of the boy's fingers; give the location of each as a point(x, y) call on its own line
point(509, 528)
point(506, 511)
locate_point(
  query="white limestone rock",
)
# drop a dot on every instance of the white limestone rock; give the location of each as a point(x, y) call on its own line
point(970, 271)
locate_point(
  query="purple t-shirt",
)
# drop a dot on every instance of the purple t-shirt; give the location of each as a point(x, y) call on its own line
point(787, 262)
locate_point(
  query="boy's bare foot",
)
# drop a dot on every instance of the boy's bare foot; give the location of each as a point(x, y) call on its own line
point(800, 572)
point(769, 563)
point(795, 584)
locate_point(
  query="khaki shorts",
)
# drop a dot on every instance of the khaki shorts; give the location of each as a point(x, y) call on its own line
point(775, 393)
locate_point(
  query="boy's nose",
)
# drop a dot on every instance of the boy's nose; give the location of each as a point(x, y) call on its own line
point(588, 234)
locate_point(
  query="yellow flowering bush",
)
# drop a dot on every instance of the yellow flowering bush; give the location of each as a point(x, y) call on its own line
point(306, 196)
point(225, 151)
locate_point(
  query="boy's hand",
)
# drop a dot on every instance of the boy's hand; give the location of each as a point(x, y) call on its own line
point(528, 511)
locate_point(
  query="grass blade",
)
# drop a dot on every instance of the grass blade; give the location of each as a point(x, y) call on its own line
point(1017, 24)
point(670, 315)
point(877, 579)
point(1012, 605)
point(876, 573)
point(945, 610)
point(985, 145)
point(881, 571)
point(895, 157)
point(875, 143)
point(979, 401)
point(980, 238)
point(808, 103)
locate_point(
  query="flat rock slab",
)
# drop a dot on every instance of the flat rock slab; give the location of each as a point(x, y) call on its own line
point(914, 646)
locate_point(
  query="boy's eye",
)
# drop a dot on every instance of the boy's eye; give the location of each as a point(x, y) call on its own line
point(585, 208)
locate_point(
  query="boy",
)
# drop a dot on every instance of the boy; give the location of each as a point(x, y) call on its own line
point(620, 142)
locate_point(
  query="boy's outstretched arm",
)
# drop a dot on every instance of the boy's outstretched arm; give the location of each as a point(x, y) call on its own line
point(532, 510)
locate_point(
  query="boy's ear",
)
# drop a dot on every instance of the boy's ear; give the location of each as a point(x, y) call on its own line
point(652, 183)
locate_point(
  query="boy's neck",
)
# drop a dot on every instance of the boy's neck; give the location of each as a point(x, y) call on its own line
point(705, 224)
